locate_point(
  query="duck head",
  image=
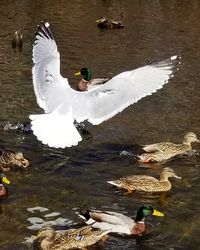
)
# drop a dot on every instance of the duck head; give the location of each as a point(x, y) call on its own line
point(47, 233)
point(168, 173)
point(85, 73)
point(189, 138)
point(44, 238)
point(3, 179)
point(145, 211)
point(3, 189)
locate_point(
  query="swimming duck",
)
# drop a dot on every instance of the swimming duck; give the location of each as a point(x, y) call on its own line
point(146, 183)
point(87, 83)
point(164, 151)
point(63, 105)
point(119, 223)
point(9, 159)
point(17, 41)
point(3, 188)
point(105, 23)
point(80, 238)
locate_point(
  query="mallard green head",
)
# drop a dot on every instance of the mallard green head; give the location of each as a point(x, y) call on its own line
point(3, 179)
point(145, 211)
point(86, 74)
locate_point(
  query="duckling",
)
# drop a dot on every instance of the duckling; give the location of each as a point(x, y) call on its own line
point(10, 159)
point(105, 23)
point(119, 223)
point(87, 83)
point(3, 188)
point(79, 238)
point(146, 183)
point(164, 151)
point(17, 41)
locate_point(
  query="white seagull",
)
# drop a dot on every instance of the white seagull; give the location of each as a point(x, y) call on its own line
point(63, 105)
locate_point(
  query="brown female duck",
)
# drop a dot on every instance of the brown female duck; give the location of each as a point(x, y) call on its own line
point(79, 238)
point(3, 188)
point(10, 159)
point(164, 151)
point(146, 183)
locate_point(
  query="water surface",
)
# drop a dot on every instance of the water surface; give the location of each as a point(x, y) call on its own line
point(64, 180)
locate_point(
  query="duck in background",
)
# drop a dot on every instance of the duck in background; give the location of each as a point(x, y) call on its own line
point(165, 151)
point(117, 222)
point(17, 42)
point(80, 238)
point(3, 188)
point(146, 183)
point(87, 83)
point(10, 159)
point(105, 23)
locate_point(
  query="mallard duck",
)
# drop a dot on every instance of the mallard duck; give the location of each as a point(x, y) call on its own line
point(105, 23)
point(87, 83)
point(9, 159)
point(164, 151)
point(119, 223)
point(146, 183)
point(17, 41)
point(3, 188)
point(80, 238)
point(63, 105)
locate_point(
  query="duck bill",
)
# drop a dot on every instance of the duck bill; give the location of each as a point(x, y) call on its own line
point(77, 74)
point(5, 180)
point(157, 213)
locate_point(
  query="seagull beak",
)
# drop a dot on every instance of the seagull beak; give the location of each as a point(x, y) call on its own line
point(157, 213)
point(5, 180)
point(198, 141)
point(78, 73)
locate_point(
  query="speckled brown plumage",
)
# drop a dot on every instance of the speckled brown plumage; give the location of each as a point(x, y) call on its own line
point(73, 238)
point(9, 159)
point(164, 151)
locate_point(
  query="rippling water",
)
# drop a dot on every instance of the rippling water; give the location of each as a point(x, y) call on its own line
point(64, 180)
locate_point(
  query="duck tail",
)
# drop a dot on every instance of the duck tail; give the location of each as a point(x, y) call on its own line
point(115, 183)
point(86, 217)
point(104, 233)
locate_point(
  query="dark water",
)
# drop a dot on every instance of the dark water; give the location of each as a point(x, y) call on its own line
point(64, 180)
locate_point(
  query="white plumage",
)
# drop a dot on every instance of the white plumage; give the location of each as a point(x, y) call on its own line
point(63, 105)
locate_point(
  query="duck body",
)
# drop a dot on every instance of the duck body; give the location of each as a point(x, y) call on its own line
point(3, 188)
point(74, 238)
point(117, 222)
point(146, 183)
point(164, 151)
point(10, 159)
point(105, 23)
